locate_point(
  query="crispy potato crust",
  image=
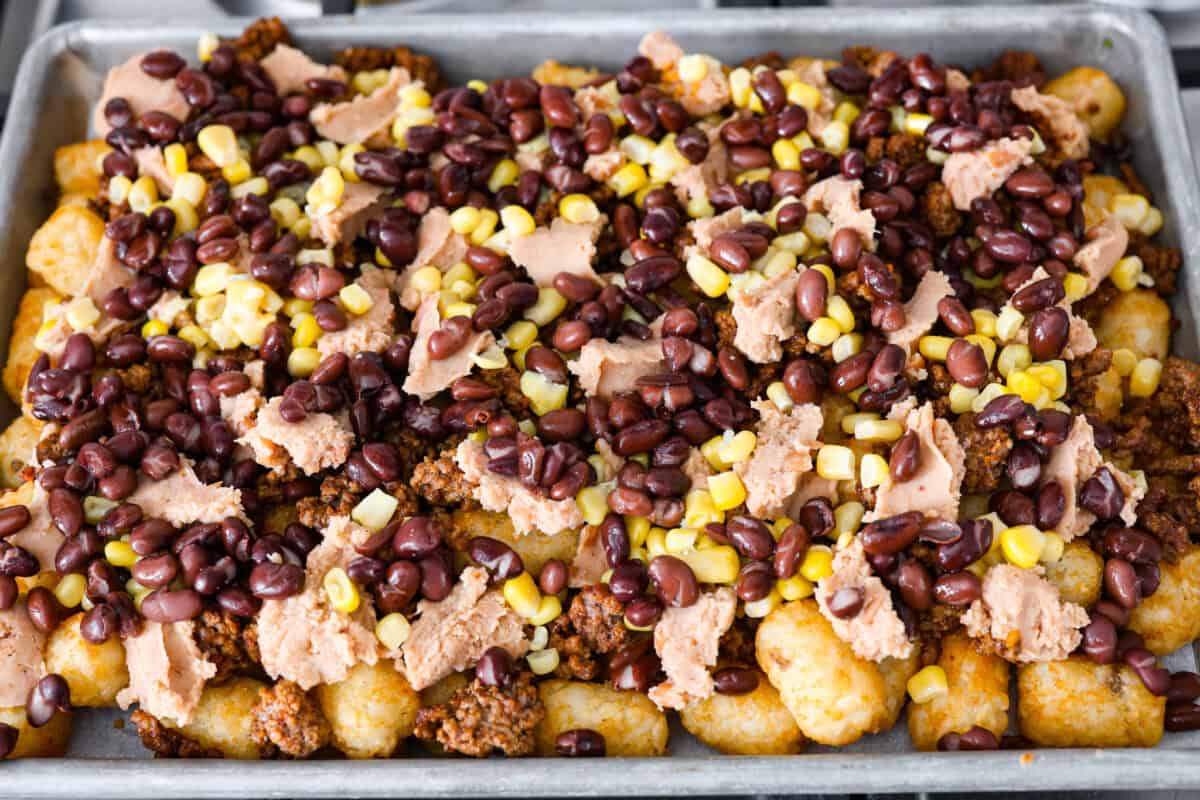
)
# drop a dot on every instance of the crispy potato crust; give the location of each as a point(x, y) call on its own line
point(1170, 618)
point(978, 695)
point(95, 672)
point(371, 711)
point(1077, 574)
point(754, 724)
point(630, 723)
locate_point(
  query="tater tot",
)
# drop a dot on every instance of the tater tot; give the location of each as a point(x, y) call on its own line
point(1078, 703)
point(1170, 618)
point(17, 445)
point(223, 718)
point(95, 672)
point(77, 166)
point(896, 672)
point(22, 352)
point(629, 722)
point(48, 741)
point(752, 724)
point(371, 711)
point(977, 694)
point(1093, 96)
point(835, 696)
point(1077, 574)
point(1139, 320)
point(534, 548)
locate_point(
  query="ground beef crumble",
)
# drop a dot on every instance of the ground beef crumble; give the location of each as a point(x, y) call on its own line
point(286, 719)
point(508, 381)
point(260, 38)
point(440, 482)
point(986, 454)
point(480, 719)
point(939, 208)
point(338, 497)
point(420, 66)
point(1176, 404)
point(165, 742)
point(1084, 378)
point(1161, 263)
point(221, 638)
point(1169, 514)
point(1019, 66)
point(594, 624)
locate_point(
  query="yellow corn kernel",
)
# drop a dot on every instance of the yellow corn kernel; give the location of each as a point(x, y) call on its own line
point(846, 112)
point(237, 172)
point(711, 279)
point(540, 638)
point(985, 322)
point(804, 94)
point(961, 398)
point(1126, 273)
point(737, 448)
point(1129, 209)
point(517, 221)
point(796, 587)
point(219, 143)
point(698, 207)
point(95, 507)
point(1013, 357)
point(692, 68)
point(593, 503)
point(522, 595)
point(628, 179)
point(1021, 383)
point(186, 218)
point(1143, 381)
point(427, 280)
point(637, 528)
point(824, 332)
point(505, 173)
point(786, 154)
point(543, 662)
point(929, 683)
point(878, 430)
point(118, 189)
point(680, 540)
point(1124, 360)
point(840, 312)
point(155, 327)
point(850, 421)
point(1052, 548)
point(757, 609)
point(848, 516)
point(1152, 224)
point(547, 611)
point(307, 331)
point(355, 299)
point(392, 630)
point(656, 542)
point(846, 346)
point(985, 343)
point(578, 208)
point(520, 335)
point(817, 564)
point(1022, 545)
point(175, 159)
point(817, 228)
point(143, 194)
point(714, 565)
point(711, 450)
point(69, 591)
point(796, 243)
point(836, 137)
point(120, 554)
point(488, 220)
point(935, 348)
point(464, 219)
point(917, 123)
point(699, 509)
point(1008, 323)
point(196, 335)
point(1075, 286)
point(345, 162)
point(328, 151)
point(777, 394)
point(741, 87)
point(205, 45)
point(544, 395)
point(835, 462)
point(327, 190)
point(872, 470)
point(302, 227)
point(308, 155)
point(727, 490)
point(375, 510)
point(548, 306)
point(342, 593)
point(302, 361)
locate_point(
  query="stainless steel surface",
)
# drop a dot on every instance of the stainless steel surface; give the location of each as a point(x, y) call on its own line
point(61, 77)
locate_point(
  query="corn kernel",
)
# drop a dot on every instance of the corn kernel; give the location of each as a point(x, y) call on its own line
point(1021, 383)
point(517, 221)
point(741, 86)
point(548, 306)
point(522, 595)
point(872, 470)
point(835, 137)
point(711, 450)
point(307, 331)
point(308, 155)
point(848, 516)
point(699, 509)
point(143, 194)
point(1124, 360)
point(777, 393)
point(1143, 381)
point(464, 219)
point(342, 593)
point(118, 189)
point(680, 540)
point(120, 554)
point(817, 227)
point(917, 123)
point(1013, 357)
point(796, 587)
point(1152, 224)
point(505, 173)
point(804, 94)
point(186, 218)
point(850, 421)
point(355, 299)
point(961, 398)
point(692, 68)
point(638, 149)
point(823, 332)
point(1022, 545)
point(327, 190)
point(95, 507)
point(1129, 209)
point(175, 159)
point(846, 346)
point(375, 510)
point(628, 179)
point(637, 528)
point(219, 143)
point(345, 162)
point(547, 611)
point(205, 45)
point(328, 151)
point(237, 172)
point(593, 503)
point(757, 609)
point(878, 430)
point(796, 243)
point(840, 312)
point(1009, 323)
point(1052, 548)
point(1075, 286)
point(69, 591)
point(578, 208)
point(737, 448)
point(786, 154)
point(1126, 273)
point(543, 662)
point(698, 207)
point(985, 322)
point(392, 630)
point(714, 565)
point(817, 564)
point(711, 279)
point(540, 638)
point(835, 462)
point(929, 683)
point(935, 348)
point(195, 335)
point(727, 490)
point(544, 395)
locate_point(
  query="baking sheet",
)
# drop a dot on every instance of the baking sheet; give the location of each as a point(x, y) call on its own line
point(60, 78)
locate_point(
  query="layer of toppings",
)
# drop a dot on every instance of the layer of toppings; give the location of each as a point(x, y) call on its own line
point(581, 376)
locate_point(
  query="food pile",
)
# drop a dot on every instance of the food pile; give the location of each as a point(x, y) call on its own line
point(360, 412)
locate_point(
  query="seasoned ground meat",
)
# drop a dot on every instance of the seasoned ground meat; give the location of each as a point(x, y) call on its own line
point(411, 448)
point(871, 59)
point(737, 643)
point(594, 624)
point(221, 638)
point(771, 59)
point(1177, 402)
point(137, 378)
point(726, 327)
point(165, 742)
point(939, 209)
point(260, 38)
point(287, 719)
point(1161, 263)
point(1084, 376)
point(1169, 514)
point(905, 149)
point(338, 497)
point(932, 626)
point(987, 453)
point(420, 66)
point(480, 719)
point(1019, 66)
point(440, 482)
point(508, 382)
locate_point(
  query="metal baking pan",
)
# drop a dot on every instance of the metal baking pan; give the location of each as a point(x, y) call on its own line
point(61, 77)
